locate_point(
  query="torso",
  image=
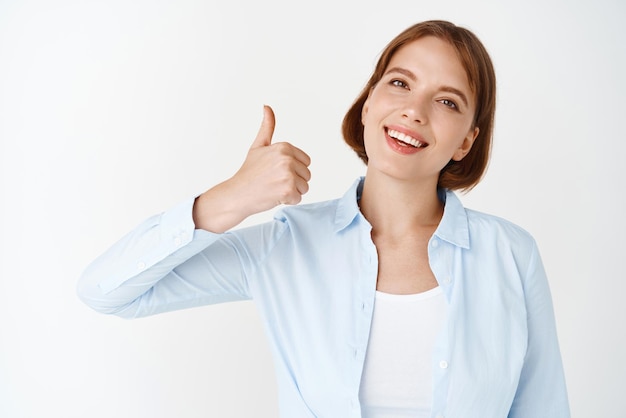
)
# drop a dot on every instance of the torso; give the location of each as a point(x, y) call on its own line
point(397, 375)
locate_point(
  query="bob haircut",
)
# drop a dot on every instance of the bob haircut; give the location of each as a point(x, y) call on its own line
point(456, 175)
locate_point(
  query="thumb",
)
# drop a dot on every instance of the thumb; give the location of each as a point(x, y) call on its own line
point(264, 137)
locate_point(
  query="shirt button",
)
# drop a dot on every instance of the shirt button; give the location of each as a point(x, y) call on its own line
point(443, 364)
point(447, 280)
point(177, 241)
point(141, 265)
point(435, 243)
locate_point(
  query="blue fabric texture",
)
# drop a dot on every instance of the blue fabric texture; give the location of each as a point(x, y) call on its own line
point(312, 273)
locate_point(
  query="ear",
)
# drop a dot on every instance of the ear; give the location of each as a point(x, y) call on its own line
point(365, 107)
point(364, 110)
point(466, 145)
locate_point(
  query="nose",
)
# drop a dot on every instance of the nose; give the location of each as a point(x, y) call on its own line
point(415, 109)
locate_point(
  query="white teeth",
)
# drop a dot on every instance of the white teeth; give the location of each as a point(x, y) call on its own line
point(405, 138)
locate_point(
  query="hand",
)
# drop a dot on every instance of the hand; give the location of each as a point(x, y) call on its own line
point(272, 174)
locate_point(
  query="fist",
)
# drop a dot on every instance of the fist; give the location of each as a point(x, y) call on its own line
point(271, 175)
point(274, 174)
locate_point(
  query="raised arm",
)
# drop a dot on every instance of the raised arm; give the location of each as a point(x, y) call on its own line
point(180, 258)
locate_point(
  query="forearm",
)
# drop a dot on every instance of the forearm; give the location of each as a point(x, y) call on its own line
point(221, 208)
point(137, 262)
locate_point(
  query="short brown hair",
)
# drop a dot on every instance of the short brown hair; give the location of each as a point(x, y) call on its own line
point(456, 175)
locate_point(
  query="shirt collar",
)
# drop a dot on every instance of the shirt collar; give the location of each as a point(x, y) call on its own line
point(348, 206)
point(453, 227)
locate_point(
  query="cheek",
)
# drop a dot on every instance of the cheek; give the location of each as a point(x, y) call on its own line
point(374, 106)
point(455, 129)
point(368, 116)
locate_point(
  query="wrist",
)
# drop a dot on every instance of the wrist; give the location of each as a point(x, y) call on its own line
point(219, 209)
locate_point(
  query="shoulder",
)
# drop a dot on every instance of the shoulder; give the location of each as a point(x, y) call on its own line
point(485, 223)
point(308, 221)
point(504, 248)
point(336, 213)
point(473, 229)
point(317, 213)
point(501, 236)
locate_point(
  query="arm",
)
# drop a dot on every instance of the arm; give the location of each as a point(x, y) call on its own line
point(172, 261)
point(541, 391)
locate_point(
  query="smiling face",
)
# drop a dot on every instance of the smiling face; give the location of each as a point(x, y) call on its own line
point(420, 115)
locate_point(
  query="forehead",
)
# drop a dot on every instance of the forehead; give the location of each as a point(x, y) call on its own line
point(433, 60)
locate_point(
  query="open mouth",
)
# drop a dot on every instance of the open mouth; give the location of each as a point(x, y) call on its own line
point(405, 140)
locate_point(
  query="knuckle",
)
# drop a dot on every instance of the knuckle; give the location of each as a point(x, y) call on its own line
point(285, 195)
point(284, 162)
point(294, 200)
point(282, 147)
point(285, 179)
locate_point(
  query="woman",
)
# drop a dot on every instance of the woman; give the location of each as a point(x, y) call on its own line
point(392, 301)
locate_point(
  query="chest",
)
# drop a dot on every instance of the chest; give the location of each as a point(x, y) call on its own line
point(403, 265)
point(319, 309)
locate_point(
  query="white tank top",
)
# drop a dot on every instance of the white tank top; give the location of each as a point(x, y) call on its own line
point(397, 375)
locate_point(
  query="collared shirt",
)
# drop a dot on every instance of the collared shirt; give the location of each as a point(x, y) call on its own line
point(312, 272)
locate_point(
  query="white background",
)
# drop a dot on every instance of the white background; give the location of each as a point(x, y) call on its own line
point(113, 110)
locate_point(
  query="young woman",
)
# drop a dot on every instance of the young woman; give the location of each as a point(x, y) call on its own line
point(391, 301)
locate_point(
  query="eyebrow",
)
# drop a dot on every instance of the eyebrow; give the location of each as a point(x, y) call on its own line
point(412, 76)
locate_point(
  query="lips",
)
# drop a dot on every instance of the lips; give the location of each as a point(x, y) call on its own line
point(404, 141)
point(404, 138)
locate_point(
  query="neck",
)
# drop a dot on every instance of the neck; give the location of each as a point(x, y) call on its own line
point(395, 206)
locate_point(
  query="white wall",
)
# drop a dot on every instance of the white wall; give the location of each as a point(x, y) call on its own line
point(113, 110)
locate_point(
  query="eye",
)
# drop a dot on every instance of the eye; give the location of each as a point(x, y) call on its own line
point(448, 103)
point(399, 83)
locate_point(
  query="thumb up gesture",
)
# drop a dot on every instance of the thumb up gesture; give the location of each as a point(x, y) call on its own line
point(279, 172)
point(266, 131)
point(272, 174)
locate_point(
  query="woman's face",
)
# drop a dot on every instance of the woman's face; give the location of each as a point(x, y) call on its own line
point(420, 114)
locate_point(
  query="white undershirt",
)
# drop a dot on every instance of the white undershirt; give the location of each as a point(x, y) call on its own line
point(397, 375)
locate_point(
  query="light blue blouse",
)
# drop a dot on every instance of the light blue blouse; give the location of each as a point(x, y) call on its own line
point(312, 273)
